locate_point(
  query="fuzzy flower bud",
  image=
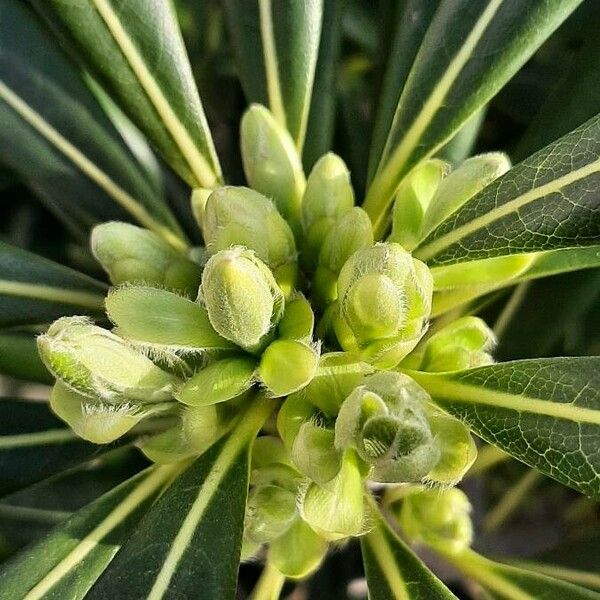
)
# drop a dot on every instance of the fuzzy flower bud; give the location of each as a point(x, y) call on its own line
point(132, 254)
point(438, 517)
point(384, 303)
point(271, 162)
point(238, 216)
point(96, 363)
point(243, 301)
point(385, 420)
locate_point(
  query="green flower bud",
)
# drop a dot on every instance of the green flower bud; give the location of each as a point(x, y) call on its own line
point(350, 233)
point(269, 513)
point(385, 420)
point(298, 320)
point(461, 185)
point(218, 382)
point(438, 518)
point(132, 254)
point(286, 366)
point(384, 303)
point(294, 412)
point(243, 301)
point(336, 509)
point(463, 344)
point(314, 453)
point(198, 203)
point(309, 549)
point(96, 363)
point(271, 162)
point(457, 449)
point(238, 216)
point(412, 201)
point(95, 421)
point(327, 197)
point(268, 450)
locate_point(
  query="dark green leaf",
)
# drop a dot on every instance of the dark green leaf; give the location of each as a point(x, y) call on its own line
point(137, 51)
point(548, 202)
point(544, 412)
point(55, 136)
point(394, 572)
point(471, 49)
point(188, 545)
point(19, 357)
point(34, 290)
point(277, 44)
point(67, 562)
point(34, 445)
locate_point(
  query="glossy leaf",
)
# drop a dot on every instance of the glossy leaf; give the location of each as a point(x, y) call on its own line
point(56, 137)
point(471, 49)
point(547, 202)
point(34, 445)
point(34, 290)
point(67, 562)
point(191, 538)
point(276, 45)
point(137, 51)
point(394, 572)
point(19, 357)
point(545, 412)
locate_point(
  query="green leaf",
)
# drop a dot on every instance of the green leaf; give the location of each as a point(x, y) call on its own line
point(136, 50)
point(67, 562)
point(471, 49)
point(34, 445)
point(56, 137)
point(412, 20)
point(189, 543)
point(19, 358)
point(34, 290)
point(512, 582)
point(394, 572)
point(548, 202)
point(545, 412)
point(288, 34)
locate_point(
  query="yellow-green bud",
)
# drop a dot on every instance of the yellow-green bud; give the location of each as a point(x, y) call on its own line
point(438, 517)
point(243, 301)
point(132, 254)
point(239, 216)
point(269, 513)
point(298, 320)
point(336, 509)
point(294, 412)
point(271, 162)
point(385, 420)
point(99, 364)
point(412, 200)
point(384, 303)
point(314, 453)
point(351, 232)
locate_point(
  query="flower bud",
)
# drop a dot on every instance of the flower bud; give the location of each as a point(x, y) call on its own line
point(336, 509)
point(95, 421)
point(286, 366)
point(350, 233)
point(385, 420)
point(198, 203)
point(241, 296)
point(132, 254)
point(294, 412)
point(314, 453)
point(438, 517)
point(238, 216)
point(463, 344)
point(461, 185)
point(327, 197)
point(271, 162)
point(269, 513)
point(96, 363)
point(412, 200)
point(384, 303)
point(298, 320)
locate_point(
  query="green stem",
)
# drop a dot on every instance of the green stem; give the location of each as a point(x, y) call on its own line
point(481, 569)
point(489, 456)
point(582, 578)
point(269, 585)
point(82, 299)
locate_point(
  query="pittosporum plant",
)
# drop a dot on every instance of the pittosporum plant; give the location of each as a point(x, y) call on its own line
point(314, 371)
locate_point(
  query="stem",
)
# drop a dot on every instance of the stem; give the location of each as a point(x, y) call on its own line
point(481, 569)
point(269, 585)
point(510, 501)
point(489, 456)
point(583, 578)
point(82, 299)
point(510, 308)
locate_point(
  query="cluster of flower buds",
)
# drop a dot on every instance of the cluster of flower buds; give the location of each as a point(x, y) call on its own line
point(199, 333)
